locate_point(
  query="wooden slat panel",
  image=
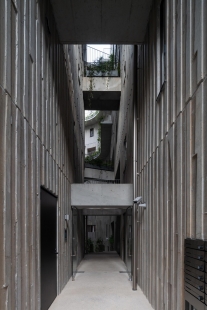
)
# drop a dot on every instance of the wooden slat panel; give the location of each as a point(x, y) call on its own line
point(172, 148)
point(36, 110)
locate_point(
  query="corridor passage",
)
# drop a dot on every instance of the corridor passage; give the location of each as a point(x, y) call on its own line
point(99, 285)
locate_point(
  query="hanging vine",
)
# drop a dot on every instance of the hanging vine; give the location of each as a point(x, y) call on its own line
point(100, 68)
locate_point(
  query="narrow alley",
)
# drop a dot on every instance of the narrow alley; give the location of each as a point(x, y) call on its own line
point(101, 283)
point(103, 147)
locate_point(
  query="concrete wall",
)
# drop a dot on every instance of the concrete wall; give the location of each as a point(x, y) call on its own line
point(114, 118)
point(101, 195)
point(98, 174)
point(102, 84)
point(102, 224)
point(124, 151)
point(172, 146)
point(41, 144)
point(92, 141)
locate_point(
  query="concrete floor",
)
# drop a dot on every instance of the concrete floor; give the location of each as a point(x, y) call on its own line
point(101, 287)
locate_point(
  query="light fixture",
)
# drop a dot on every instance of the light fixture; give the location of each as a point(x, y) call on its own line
point(138, 200)
point(67, 217)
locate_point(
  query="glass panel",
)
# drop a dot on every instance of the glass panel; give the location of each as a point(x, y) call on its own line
point(74, 242)
point(129, 241)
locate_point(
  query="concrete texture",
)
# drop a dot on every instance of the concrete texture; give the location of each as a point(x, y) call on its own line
point(104, 91)
point(98, 174)
point(99, 212)
point(106, 84)
point(105, 125)
point(41, 135)
point(101, 21)
point(97, 195)
point(101, 286)
point(171, 150)
point(103, 230)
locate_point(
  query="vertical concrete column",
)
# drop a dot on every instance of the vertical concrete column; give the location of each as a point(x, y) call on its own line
point(134, 213)
point(122, 237)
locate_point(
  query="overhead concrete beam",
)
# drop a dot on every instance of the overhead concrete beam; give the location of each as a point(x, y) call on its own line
point(98, 174)
point(101, 212)
point(106, 92)
point(101, 105)
point(102, 84)
point(101, 195)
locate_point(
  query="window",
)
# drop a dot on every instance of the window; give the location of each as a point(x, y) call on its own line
point(91, 228)
point(91, 132)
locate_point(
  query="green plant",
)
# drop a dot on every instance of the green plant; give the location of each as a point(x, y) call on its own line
point(99, 247)
point(111, 240)
point(89, 245)
point(99, 67)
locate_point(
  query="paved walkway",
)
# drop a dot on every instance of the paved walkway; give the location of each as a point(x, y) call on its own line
point(101, 287)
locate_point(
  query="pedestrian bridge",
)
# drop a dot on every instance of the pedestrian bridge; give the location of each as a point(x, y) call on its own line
point(101, 195)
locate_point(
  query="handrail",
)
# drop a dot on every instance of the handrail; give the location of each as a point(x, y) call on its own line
point(94, 55)
point(97, 50)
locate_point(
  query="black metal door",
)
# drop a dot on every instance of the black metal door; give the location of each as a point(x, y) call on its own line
point(48, 249)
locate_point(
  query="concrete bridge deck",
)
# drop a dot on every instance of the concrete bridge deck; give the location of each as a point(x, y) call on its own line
point(101, 195)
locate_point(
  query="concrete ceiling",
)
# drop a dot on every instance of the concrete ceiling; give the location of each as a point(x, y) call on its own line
point(101, 21)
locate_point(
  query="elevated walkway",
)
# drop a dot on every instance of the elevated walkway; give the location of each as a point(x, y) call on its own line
point(105, 93)
point(101, 195)
point(98, 174)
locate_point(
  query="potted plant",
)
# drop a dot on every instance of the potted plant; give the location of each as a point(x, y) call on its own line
point(89, 245)
point(100, 247)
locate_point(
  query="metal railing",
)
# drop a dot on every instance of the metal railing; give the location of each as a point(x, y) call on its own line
point(101, 69)
point(101, 64)
point(93, 54)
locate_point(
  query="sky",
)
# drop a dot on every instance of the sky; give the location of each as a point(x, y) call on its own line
point(88, 112)
point(101, 47)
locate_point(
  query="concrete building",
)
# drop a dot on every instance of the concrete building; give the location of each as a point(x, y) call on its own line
point(97, 137)
point(158, 148)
